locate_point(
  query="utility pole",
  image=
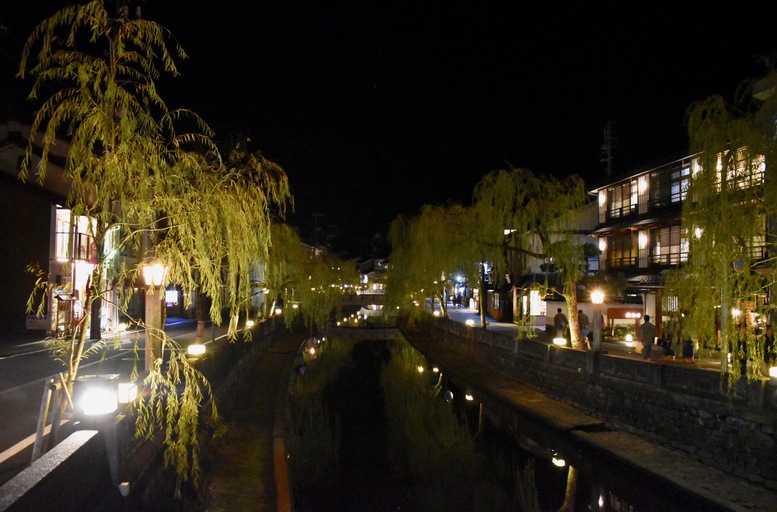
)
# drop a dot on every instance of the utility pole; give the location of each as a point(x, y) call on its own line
point(316, 230)
point(607, 147)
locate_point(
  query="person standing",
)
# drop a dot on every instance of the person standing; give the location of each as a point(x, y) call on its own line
point(560, 323)
point(585, 324)
point(770, 354)
point(647, 336)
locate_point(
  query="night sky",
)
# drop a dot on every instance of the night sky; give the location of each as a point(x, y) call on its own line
point(374, 108)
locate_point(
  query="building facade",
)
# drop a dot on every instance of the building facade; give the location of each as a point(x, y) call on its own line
point(640, 233)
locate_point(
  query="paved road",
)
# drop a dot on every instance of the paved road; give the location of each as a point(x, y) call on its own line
point(26, 364)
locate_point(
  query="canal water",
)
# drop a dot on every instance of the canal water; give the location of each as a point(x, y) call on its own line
point(374, 426)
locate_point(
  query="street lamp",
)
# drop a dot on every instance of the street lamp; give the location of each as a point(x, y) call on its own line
point(597, 298)
point(95, 395)
point(154, 273)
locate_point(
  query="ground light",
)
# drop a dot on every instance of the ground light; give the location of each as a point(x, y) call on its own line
point(96, 395)
point(560, 341)
point(195, 350)
point(127, 392)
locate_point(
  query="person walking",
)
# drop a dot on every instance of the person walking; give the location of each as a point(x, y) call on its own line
point(560, 323)
point(647, 336)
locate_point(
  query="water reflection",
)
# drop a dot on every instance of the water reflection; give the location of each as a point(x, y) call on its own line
point(375, 426)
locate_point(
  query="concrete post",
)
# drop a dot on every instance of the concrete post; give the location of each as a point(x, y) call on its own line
point(153, 321)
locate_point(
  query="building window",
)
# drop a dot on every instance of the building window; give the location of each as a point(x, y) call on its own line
point(742, 171)
point(681, 178)
point(537, 306)
point(593, 265)
point(659, 189)
point(621, 251)
point(671, 245)
point(670, 304)
point(757, 246)
point(643, 187)
point(623, 199)
point(62, 240)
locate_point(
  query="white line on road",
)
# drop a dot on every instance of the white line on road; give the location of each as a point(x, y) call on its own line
point(24, 443)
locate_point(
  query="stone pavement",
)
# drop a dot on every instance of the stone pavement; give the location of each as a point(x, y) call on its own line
point(248, 471)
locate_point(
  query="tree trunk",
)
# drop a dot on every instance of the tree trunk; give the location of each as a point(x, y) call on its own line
point(200, 319)
point(725, 316)
point(570, 296)
point(94, 325)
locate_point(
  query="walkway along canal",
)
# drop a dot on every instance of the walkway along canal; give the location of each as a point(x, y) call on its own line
point(641, 418)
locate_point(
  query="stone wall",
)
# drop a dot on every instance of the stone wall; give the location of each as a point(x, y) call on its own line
point(685, 408)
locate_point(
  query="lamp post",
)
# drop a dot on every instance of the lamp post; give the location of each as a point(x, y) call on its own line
point(597, 298)
point(154, 274)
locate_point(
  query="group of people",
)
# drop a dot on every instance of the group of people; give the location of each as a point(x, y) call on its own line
point(561, 324)
point(646, 336)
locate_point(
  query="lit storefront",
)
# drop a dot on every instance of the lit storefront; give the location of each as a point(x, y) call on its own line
point(74, 256)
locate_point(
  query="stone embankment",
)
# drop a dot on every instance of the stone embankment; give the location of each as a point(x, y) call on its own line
point(682, 410)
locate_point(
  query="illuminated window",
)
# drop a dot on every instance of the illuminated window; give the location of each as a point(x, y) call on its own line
point(537, 306)
point(62, 240)
point(681, 178)
point(671, 245)
point(623, 199)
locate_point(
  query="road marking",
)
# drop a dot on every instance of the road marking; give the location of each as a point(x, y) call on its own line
point(24, 443)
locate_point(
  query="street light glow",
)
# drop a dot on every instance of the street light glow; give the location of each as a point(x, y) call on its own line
point(196, 349)
point(154, 274)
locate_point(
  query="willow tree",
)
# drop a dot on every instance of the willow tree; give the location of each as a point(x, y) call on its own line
point(538, 212)
point(308, 281)
point(727, 215)
point(428, 251)
point(150, 179)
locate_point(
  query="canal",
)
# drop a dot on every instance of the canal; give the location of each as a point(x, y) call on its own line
point(375, 426)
